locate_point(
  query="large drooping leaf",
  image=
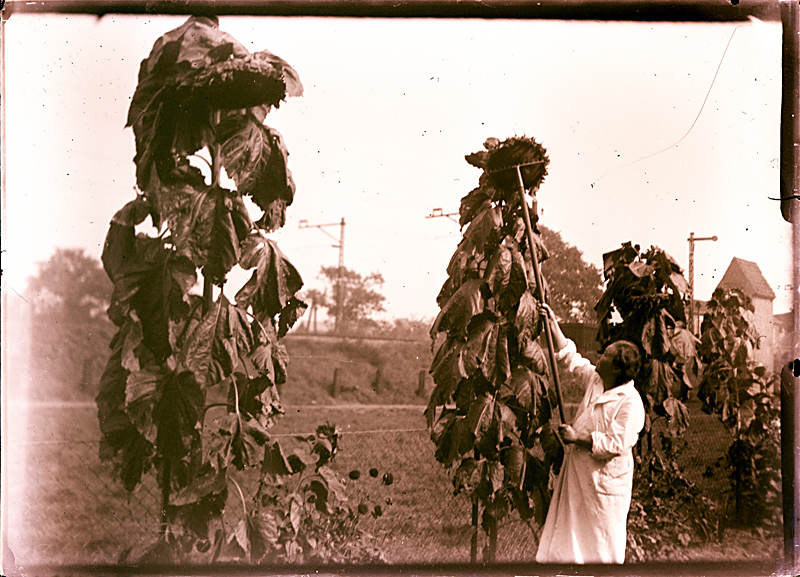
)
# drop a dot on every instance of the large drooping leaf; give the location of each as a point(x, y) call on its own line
point(683, 344)
point(618, 258)
point(274, 282)
point(119, 435)
point(240, 442)
point(659, 380)
point(513, 460)
point(448, 371)
point(526, 320)
point(457, 313)
point(255, 157)
point(498, 270)
point(484, 228)
point(216, 342)
point(655, 338)
point(178, 415)
point(143, 390)
point(199, 506)
point(456, 439)
point(474, 203)
point(677, 416)
point(150, 280)
point(480, 420)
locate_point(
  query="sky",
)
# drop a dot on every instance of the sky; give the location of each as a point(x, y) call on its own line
point(651, 135)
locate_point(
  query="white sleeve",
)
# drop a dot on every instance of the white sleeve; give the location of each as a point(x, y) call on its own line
point(570, 359)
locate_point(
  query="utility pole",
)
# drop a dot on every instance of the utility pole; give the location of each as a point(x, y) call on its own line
point(339, 289)
point(693, 239)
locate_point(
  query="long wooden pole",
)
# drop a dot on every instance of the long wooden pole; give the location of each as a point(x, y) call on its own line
point(538, 275)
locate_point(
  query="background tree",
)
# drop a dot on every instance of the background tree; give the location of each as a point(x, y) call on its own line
point(575, 285)
point(351, 298)
point(69, 296)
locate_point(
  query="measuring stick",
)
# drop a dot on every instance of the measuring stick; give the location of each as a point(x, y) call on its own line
point(537, 273)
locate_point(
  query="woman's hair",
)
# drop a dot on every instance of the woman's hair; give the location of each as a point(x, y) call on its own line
point(627, 360)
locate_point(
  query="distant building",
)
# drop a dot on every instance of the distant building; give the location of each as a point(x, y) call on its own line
point(746, 276)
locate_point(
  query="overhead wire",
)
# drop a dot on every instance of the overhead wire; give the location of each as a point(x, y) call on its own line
point(697, 117)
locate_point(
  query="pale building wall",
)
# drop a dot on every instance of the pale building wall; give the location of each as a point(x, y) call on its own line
point(764, 325)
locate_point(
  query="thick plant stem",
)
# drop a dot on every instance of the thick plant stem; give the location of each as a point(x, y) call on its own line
point(473, 549)
point(165, 492)
point(216, 170)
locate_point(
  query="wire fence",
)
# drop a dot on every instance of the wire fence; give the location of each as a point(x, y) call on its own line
point(69, 507)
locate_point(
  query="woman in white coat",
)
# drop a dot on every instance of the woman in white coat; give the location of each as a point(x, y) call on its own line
point(587, 518)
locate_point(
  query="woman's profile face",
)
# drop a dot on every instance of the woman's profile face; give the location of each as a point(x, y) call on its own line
point(605, 366)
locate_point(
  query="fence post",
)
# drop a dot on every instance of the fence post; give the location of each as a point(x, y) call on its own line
point(335, 385)
point(421, 385)
point(376, 384)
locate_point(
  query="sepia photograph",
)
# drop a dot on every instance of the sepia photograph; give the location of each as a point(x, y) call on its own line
point(433, 288)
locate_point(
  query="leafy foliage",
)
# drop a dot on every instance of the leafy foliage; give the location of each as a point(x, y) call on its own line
point(490, 409)
point(647, 291)
point(743, 394)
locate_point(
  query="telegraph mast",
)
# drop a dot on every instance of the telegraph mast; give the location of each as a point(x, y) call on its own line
point(339, 289)
point(693, 239)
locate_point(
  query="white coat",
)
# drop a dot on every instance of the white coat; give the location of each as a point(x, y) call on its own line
point(586, 521)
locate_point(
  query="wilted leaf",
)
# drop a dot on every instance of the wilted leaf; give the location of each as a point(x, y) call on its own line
point(526, 320)
point(275, 462)
point(274, 282)
point(677, 415)
point(495, 474)
point(641, 269)
point(142, 392)
point(457, 313)
point(289, 315)
point(480, 419)
point(659, 381)
point(177, 416)
point(214, 346)
point(498, 270)
point(655, 338)
point(242, 440)
point(467, 475)
point(513, 460)
point(230, 226)
point(258, 398)
point(476, 202)
point(255, 157)
point(519, 388)
point(208, 481)
point(684, 344)
point(484, 228)
point(620, 257)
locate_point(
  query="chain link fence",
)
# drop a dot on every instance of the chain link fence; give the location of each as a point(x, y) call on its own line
point(66, 506)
